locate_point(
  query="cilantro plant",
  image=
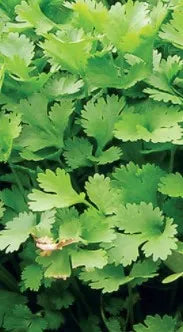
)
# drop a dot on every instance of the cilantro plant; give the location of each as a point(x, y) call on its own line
point(91, 176)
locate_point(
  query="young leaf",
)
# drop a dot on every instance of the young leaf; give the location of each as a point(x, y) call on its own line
point(58, 192)
point(16, 232)
point(17, 52)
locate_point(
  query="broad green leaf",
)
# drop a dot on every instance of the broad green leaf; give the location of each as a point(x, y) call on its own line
point(172, 185)
point(157, 234)
point(16, 232)
point(156, 323)
point(101, 193)
point(98, 118)
point(89, 258)
point(57, 265)
point(59, 185)
point(109, 279)
point(137, 184)
point(150, 121)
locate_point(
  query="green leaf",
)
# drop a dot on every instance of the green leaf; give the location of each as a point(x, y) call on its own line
point(69, 224)
point(124, 249)
point(10, 129)
point(96, 227)
point(162, 79)
point(98, 118)
point(62, 85)
point(8, 301)
point(109, 279)
point(42, 130)
point(108, 156)
point(78, 152)
point(32, 276)
point(17, 52)
point(69, 48)
point(16, 232)
point(155, 323)
point(45, 225)
point(172, 31)
point(172, 185)
point(155, 122)
point(157, 234)
point(22, 318)
point(57, 265)
point(137, 184)
point(102, 194)
point(61, 194)
point(89, 258)
point(31, 13)
point(172, 277)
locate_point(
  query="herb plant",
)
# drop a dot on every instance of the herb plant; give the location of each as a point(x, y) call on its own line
point(91, 137)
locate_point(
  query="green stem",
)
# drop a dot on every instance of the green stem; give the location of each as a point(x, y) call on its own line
point(104, 319)
point(172, 158)
point(7, 279)
point(130, 314)
point(19, 184)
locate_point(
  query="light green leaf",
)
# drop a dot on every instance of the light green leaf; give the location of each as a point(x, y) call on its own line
point(62, 194)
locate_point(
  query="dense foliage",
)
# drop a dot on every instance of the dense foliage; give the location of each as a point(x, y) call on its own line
point(91, 137)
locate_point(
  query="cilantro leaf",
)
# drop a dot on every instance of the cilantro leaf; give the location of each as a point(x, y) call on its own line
point(152, 323)
point(57, 265)
point(171, 185)
point(109, 279)
point(162, 79)
point(32, 276)
point(9, 300)
point(89, 258)
point(102, 194)
point(22, 317)
point(58, 192)
point(172, 31)
point(42, 130)
point(136, 183)
point(154, 122)
point(10, 129)
point(69, 48)
point(96, 227)
point(17, 51)
point(98, 118)
point(16, 232)
point(77, 152)
point(69, 224)
point(157, 234)
point(62, 85)
point(31, 13)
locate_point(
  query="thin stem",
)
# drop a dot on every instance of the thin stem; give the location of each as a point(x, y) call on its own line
point(172, 158)
point(7, 279)
point(130, 313)
point(19, 184)
point(104, 319)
